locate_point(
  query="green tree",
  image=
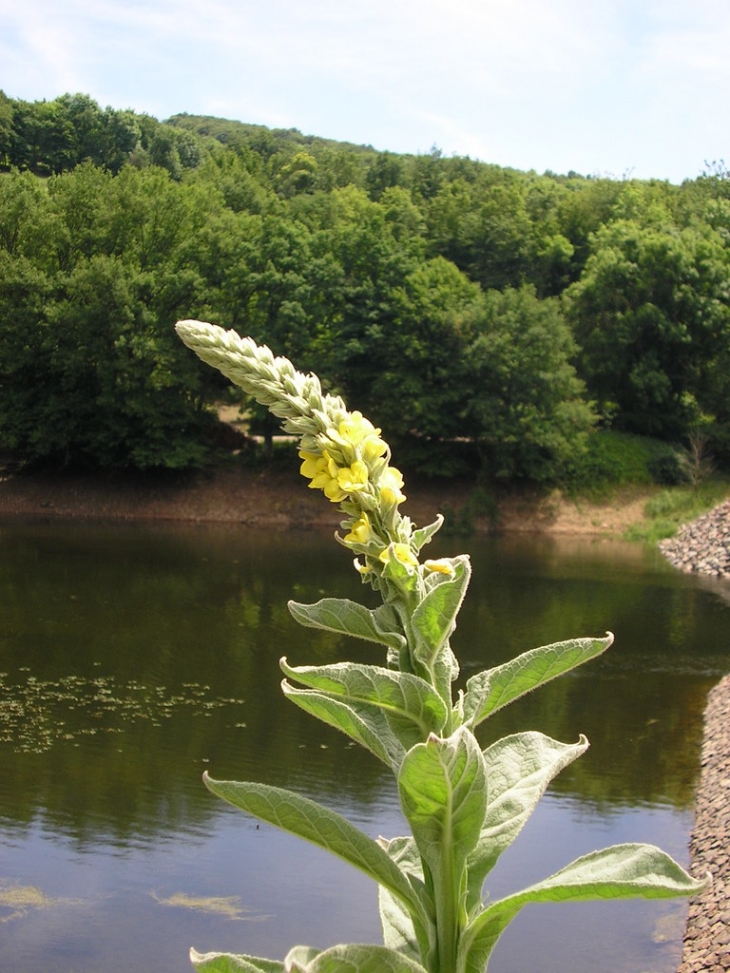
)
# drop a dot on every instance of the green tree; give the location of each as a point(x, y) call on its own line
point(527, 410)
point(43, 137)
point(94, 272)
point(651, 314)
point(6, 129)
point(418, 368)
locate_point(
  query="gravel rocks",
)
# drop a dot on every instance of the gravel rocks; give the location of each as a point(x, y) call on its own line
point(702, 546)
point(707, 935)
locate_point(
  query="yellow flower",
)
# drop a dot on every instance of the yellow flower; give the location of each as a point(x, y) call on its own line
point(352, 478)
point(373, 447)
point(355, 431)
point(312, 463)
point(391, 483)
point(401, 552)
point(356, 427)
point(361, 531)
point(323, 473)
point(441, 565)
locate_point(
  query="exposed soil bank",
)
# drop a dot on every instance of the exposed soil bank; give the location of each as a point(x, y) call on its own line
point(240, 495)
point(707, 936)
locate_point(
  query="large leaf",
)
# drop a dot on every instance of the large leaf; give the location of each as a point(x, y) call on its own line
point(229, 963)
point(413, 707)
point(398, 930)
point(356, 958)
point(519, 768)
point(621, 872)
point(350, 618)
point(327, 829)
point(443, 792)
point(432, 623)
point(362, 722)
point(492, 689)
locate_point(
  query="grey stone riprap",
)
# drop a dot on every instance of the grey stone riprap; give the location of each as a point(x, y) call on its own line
point(706, 946)
point(702, 546)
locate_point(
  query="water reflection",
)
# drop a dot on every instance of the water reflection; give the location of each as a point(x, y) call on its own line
point(133, 658)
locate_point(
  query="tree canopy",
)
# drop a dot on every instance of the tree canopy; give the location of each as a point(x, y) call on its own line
point(451, 300)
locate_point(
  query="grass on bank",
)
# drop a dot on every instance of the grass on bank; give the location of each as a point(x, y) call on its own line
point(680, 478)
point(667, 510)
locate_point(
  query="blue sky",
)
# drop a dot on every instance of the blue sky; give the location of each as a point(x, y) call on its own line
point(618, 87)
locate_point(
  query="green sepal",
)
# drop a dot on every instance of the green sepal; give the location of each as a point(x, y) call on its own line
point(489, 691)
point(423, 535)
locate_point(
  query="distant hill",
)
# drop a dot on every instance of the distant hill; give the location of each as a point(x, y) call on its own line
point(266, 140)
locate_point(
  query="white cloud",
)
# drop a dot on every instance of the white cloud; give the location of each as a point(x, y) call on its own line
point(543, 83)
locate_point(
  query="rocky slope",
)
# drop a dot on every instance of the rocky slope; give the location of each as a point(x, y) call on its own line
point(702, 546)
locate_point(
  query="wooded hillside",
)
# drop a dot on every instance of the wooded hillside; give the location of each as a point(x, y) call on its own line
point(484, 317)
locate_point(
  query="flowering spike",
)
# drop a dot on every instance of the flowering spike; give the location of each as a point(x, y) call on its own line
point(342, 452)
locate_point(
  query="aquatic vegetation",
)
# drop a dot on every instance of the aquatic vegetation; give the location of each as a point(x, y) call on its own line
point(37, 713)
point(16, 901)
point(229, 905)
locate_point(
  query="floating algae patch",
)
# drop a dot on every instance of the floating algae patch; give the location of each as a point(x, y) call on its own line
point(36, 713)
point(225, 906)
point(16, 901)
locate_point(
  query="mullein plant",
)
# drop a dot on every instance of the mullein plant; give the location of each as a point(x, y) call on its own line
point(465, 805)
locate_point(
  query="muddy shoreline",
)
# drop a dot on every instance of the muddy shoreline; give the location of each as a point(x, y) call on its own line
point(280, 499)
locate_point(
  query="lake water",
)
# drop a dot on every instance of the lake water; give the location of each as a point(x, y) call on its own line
point(134, 658)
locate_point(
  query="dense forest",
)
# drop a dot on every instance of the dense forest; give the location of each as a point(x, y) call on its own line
point(486, 318)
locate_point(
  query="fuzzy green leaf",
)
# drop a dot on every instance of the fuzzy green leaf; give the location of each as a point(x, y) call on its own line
point(398, 930)
point(363, 723)
point(359, 959)
point(324, 828)
point(519, 768)
point(443, 792)
point(434, 620)
point(620, 872)
point(229, 963)
point(423, 535)
point(350, 618)
point(492, 689)
point(299, 957)
point(413, 708)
